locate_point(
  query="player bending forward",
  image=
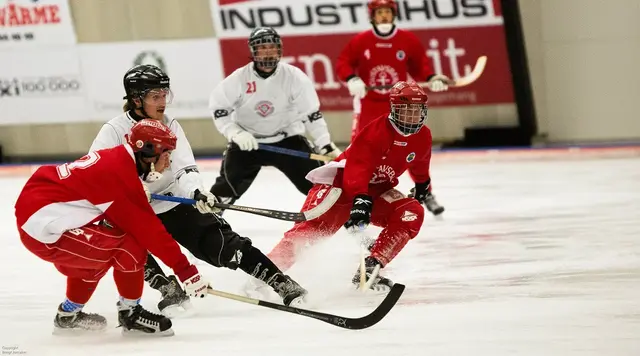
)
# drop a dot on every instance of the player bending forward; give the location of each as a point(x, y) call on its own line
point(382, 56)
point(58, 212)
point(272, 103)
point(197, 228)
point(358, 188)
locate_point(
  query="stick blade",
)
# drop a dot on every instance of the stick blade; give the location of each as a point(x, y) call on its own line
point(474, 75)
point(378, 314)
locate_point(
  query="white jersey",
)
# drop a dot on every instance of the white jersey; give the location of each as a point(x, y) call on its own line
point(181, 178)
point(282, 105)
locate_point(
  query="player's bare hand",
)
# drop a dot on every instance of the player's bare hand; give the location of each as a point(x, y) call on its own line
point(163, 162)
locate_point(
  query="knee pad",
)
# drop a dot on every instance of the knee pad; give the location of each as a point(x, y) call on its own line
point(235, 246)
point(408, 216)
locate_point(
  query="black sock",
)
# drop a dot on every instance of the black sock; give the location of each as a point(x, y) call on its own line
point(153, 274)
point(259, 266)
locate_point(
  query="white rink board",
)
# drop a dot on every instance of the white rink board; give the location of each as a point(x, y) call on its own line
point(531, 258)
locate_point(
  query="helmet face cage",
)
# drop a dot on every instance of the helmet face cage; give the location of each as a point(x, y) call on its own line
point(263, 42)
point(408, 118)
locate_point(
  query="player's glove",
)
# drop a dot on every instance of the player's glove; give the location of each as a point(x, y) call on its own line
point(439, 83)
point(205, 202)
point(330, 150)
point(244, 140)
point(196, 286)
point(423, 195)
point(357, 87)
point(360, 215)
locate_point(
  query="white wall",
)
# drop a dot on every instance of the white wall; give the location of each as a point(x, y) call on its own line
point(584, 57)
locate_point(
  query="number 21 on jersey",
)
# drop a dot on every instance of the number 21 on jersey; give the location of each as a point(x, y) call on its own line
point(251, 87)
point(64, 170)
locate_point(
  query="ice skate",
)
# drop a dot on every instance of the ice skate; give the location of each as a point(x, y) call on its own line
point(380, 284)
point(138, 321)
point(78, 321)
point(432, 205)
point(291, 292)
point(175, 302)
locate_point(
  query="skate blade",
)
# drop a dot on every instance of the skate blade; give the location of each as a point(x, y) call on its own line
point(183, 310)
point(141, 334)
point(77, 331)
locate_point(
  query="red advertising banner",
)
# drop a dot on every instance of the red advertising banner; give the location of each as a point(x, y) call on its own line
point(454, 33)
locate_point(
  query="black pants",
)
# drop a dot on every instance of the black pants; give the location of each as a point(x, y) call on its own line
point(210, 238)
point(207, 236)
point(240, 168)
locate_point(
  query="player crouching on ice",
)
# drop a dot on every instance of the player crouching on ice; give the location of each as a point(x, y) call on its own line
point(357, 189)
point(58, 214)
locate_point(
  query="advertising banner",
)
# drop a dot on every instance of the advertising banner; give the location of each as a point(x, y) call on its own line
point(35, 23)
point(454, 33)
point(192, 65)
point(41, 86)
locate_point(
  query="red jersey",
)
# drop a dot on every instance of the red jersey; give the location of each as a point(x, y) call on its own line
point(376, 158)
point(383, 60)
point(101, 185)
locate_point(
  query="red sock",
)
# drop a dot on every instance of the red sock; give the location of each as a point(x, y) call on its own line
point(129, 284)
point(80, 291)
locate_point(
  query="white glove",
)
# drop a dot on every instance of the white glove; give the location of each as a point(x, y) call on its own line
point(205, 202)
point(357, 87)
point(330, 150)
point(244, 140)
point(196, 286)
point(439, 83)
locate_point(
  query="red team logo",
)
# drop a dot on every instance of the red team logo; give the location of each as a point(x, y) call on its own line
point(383, 75)
point(264, 108)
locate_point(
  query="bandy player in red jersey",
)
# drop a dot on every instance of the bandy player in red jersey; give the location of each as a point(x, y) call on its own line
point(358, 187)
point(384, 55)
point(93, 214)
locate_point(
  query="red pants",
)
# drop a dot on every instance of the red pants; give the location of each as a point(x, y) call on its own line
point(365, 111)
point(84, 255)
point(399, 216)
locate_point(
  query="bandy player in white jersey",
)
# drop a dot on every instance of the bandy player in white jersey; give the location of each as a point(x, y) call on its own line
point(197, 228)
point(267, 102)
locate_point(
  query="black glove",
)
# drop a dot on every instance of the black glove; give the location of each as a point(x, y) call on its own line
point(360, 215)
point(420, 192)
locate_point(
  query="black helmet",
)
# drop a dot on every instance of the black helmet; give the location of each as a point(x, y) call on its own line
point(142, 78)
point(261, 36)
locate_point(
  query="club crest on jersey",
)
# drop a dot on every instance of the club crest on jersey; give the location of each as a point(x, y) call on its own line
point(400, 55)
point(383, 75)
point(411, 156)
point(264, 108)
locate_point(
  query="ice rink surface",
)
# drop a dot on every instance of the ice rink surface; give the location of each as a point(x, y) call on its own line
point(533, 257)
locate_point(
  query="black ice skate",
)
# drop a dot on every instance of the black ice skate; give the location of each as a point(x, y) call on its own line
point(138, 320)
point(65, 322)
point(380, 284)
point(290, 291)
point(174, 299)
point(432, 205)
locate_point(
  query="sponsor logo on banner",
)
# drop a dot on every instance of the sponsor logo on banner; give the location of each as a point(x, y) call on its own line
point(193, 66)
point(40, 86)
point(295, 17)
point(454, 34)
point(35, 22)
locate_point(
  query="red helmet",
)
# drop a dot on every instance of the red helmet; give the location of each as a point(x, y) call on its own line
point(408, 107)
point(151, 138)
point(376, 4)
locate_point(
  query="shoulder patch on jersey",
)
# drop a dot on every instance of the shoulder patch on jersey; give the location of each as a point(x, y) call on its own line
point(220, 113)
point(411, 156)
point(264, 108)
point(400, 55)
point(315, 116)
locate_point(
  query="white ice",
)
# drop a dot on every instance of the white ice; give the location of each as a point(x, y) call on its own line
point(531, 258)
